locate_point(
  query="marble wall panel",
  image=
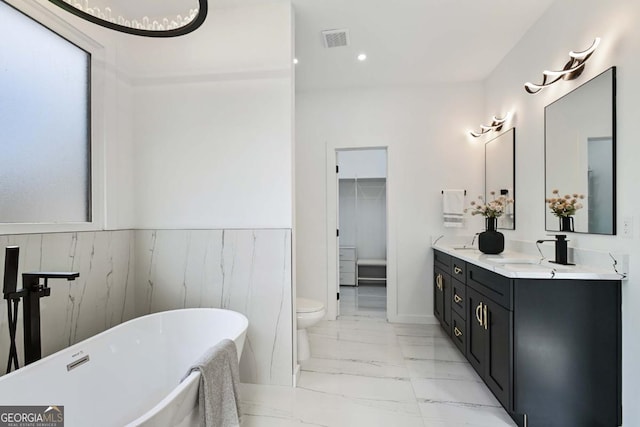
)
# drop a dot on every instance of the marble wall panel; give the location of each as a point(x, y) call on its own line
point(102, 297)
point(248, 271)
point(127, 274)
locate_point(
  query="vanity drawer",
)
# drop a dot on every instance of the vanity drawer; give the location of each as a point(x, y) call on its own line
point(458, 331)
point(441, 260)
point(458, 298)
point(491, 285)
point(458, 269)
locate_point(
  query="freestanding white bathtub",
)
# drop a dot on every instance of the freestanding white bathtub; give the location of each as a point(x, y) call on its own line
point(129, 374)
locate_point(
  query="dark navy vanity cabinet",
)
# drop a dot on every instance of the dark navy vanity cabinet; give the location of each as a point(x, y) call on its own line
point(548, 349)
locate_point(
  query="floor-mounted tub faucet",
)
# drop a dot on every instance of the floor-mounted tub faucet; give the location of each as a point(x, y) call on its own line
point(31, 310)
point(561, 249)
point(31, 292)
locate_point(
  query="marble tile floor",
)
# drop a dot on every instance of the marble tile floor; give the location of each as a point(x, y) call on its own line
point(367, 372)
point(364, 300)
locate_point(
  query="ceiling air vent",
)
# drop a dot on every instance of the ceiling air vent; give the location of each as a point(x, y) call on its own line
point(335, 38)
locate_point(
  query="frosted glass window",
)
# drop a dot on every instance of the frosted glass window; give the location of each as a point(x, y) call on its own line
point(44, 124)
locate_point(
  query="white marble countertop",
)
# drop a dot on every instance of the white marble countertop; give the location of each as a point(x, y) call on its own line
point(523, 266)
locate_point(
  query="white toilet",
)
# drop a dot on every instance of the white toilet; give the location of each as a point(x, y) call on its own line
point(308, 312)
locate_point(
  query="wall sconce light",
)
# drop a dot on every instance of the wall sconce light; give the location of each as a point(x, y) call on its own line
point(571, 70)
point(162, 19)
point(496, 125)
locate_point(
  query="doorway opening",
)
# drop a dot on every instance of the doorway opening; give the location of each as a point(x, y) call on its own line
point(362, 235)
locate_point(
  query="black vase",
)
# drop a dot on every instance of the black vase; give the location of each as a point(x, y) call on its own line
point(566, 223)
point(491, 241)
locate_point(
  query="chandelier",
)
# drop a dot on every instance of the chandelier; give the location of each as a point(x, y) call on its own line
point(150, 18)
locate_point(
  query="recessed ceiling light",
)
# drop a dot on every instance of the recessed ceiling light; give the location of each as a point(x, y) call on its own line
point(362, 57)
point(295, 60)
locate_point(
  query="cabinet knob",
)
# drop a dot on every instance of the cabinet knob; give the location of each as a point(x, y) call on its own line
point(479, 313)
point(457, 331)
point(457, 299)
point(457, 270)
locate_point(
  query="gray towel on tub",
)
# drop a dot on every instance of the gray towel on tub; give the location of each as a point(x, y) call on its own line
point(219, 383)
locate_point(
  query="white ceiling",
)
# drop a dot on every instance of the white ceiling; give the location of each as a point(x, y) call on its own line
point(408, 42)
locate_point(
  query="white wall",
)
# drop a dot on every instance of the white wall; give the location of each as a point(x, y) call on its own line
point(213, 155)
point(425, 130)
point(212, 131)
point(546, 46)
point(362, 164)
point(118, 156)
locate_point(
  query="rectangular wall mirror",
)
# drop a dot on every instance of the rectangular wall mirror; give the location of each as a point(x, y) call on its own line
point(580, 154)
point(499, 176)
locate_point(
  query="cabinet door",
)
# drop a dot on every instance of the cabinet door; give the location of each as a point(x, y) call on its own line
point(476, 336)
point(498, 369)
point(442, 299)
point(438, 295)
